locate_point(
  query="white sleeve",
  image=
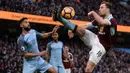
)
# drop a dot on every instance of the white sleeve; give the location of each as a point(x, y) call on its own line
point(109, 23)
point(90, 25)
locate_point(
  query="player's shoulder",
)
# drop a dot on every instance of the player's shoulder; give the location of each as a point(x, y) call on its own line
point(48, 44)
point(61, 42)
point(20, 38)
point(110, 17)
point(32, 31)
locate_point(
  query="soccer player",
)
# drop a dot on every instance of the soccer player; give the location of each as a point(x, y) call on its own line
point(67, 60)
point(27, 42)
point(55, 50)
point(100, 43)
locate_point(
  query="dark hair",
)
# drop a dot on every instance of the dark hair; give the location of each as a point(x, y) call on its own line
point(22, 19)
point(108, 4)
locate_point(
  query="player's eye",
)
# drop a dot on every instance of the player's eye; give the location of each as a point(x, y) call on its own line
point(25, 21)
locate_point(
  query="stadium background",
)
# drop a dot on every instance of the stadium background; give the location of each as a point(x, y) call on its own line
point(11, 58)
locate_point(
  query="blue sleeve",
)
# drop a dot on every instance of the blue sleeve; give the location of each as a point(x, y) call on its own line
point(49, 48)
point(38, 34)
point(22, 46)
point(62, 47)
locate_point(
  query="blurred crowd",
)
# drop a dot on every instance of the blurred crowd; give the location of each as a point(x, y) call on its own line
point(11, 59)
point(120, 63)
point(82, 7)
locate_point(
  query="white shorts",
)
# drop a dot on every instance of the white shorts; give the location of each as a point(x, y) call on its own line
point(41, 65)
point(97, 50)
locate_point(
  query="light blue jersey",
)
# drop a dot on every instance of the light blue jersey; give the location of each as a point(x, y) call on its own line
point(55, 51)
point(28, 44)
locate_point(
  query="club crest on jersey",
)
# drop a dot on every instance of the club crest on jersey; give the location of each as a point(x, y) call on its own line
point(112, 31)
point(101, 30)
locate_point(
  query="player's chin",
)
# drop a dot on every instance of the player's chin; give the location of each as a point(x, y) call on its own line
point(28, 26)
point(100, 14)
point(55, 39)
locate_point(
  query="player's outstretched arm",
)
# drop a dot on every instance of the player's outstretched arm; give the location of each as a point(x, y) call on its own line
point(46, 35)
point(98, 18)
point(29, 55)
point(47, 57)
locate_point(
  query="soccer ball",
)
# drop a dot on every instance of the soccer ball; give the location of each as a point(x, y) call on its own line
point(68, 12)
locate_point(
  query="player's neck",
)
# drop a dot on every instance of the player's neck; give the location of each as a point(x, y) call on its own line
point(106, 15)
point(24, 32)
point(55, 41)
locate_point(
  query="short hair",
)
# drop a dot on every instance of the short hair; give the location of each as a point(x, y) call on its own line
point(22, 19)
point(108, 4)
point(55, 32)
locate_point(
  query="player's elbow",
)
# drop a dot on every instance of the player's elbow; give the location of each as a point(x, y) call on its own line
point(44, 36)
point(25, 55)
point(47, 58)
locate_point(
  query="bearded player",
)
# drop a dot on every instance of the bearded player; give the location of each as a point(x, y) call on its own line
point(27, 42)
point(100, 43)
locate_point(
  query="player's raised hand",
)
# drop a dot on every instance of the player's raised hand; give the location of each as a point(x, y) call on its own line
point(55, 28)
point(43, 53)
point(90, 14)
point(70, 34)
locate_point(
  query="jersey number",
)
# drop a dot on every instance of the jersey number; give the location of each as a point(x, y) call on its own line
point(99, 53)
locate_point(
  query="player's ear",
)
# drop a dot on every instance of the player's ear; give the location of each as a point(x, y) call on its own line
point(21, 25)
